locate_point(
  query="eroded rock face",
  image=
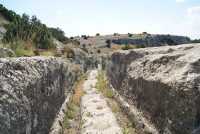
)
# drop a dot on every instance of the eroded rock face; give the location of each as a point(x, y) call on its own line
point(32, 91)
point(89, 61)
point(163, 83)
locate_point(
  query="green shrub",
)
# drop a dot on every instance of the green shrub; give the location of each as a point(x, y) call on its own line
point(127, 47)
point(140, 46)
point(98, 51)
point(108, 42)
point(59, 35)
point(130, 35)
point(195, 41)
point(116, 34)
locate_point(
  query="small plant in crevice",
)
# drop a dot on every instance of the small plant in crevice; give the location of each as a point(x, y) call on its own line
point(128, 127)
point(102, 85)
point(72, 115)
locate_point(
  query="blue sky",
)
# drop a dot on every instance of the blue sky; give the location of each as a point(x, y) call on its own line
point(77, 17)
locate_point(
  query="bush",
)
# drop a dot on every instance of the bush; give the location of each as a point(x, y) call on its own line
point(195, 41)
point(59, 35)
point(108, 42)
point(130, 35)
point(127, 47)
point(85, 37)
point(140, 46)
point(25, 28)
point(8, 14)
point(36, 52)
point(98, 34)
point(144, 33)
point(116, 34)
point(99, 51)
point(20, 49)
point(84, 48)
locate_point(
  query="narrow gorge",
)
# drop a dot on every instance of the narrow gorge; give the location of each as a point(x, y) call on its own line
point(155, 88)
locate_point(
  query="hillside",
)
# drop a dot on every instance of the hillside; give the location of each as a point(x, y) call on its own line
point(144, 39)
point(105, 84)
point(28, 36)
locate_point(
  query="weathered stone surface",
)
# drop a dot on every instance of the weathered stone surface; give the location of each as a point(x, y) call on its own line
point(89, 61)
point(162, 82)
point(96, 116)
point(32, 91)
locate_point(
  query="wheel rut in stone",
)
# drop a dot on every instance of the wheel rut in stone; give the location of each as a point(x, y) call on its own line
point(96, 116)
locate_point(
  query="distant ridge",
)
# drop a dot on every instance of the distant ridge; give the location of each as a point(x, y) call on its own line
point(145, 39)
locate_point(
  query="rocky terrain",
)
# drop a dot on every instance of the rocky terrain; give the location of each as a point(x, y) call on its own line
point(97, 117)
point(162, 83)
point(35, 90)
point(32, 92)
point(157, 87)
point(52, 84)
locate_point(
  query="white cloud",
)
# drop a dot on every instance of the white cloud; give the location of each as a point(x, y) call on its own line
point(180, 1)
point(194, 11)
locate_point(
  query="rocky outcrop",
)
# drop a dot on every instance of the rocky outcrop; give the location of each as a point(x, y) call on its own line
point(32, 91)
point(89, 61)
point(163, 83)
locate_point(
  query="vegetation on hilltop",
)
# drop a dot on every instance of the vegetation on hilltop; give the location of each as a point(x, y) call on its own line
point(196, 41)
point(8, 14)
point(28, 33)
point(29, 30)
point(59, 35)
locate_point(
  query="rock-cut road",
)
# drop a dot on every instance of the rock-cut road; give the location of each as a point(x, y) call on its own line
point(96, 116)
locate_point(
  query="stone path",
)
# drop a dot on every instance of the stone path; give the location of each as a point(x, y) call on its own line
point(97, 117)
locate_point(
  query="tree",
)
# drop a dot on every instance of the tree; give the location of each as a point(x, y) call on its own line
point(108, 42)
point(130, 35)
point(115, 34)
point(59, 35)
point(43, 38)
point(85, 37)
point(24, 28)
point(196, 41)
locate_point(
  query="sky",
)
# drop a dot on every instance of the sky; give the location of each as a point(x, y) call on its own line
point(78, 17)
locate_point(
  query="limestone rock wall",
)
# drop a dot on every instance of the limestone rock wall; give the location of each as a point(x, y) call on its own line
point(163, 83)
point(32, 91)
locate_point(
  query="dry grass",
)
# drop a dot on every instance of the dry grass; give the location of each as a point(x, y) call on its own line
point(47, 53)
point(73, 112)
point(102, 85)
point(116, 47)
point(78, 93)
